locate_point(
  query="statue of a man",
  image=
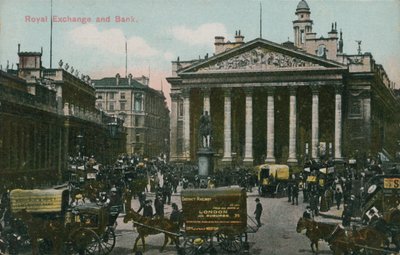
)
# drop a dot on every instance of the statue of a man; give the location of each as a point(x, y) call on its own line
point(205, 130)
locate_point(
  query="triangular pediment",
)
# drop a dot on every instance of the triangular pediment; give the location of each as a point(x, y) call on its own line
point(261, 55)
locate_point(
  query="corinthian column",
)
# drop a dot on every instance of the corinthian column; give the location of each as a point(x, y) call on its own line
point(292, 126)
point(174, 126)
point(338, 123)
point(314, 123)
point(227, 126)
point(186, 123)
point(270, 157)
point(248, 150)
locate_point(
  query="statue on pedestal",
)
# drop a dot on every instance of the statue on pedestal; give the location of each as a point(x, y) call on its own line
point(205, 130)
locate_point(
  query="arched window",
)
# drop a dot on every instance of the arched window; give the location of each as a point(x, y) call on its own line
point(321, 51)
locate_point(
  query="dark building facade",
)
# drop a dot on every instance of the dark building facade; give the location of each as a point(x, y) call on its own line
point(48, 116)
point(143, 109)
point(284, 103)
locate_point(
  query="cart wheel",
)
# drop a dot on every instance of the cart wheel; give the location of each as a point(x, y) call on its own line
point(196, 246)
point(85, 241)
point(230, 243)
point(107, 241)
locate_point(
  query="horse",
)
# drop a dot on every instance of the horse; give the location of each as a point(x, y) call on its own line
point(37, 227)
point(341, 241)
point(315, 231)
point(149, 226)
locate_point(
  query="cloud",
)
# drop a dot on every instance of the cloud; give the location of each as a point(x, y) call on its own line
point(204, 34)
point(169, 56)
point(110, 41)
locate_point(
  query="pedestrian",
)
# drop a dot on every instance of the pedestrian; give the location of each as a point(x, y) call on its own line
point(258, 211)
point(346, 216)
point(338, 197)
point(307, 213)
point(159, 207)
point(176, 215)
point(290, 189)
point(295, 193)
point(142, 200)
point(148, 209)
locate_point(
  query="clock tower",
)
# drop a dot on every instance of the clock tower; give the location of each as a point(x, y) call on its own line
point(302, 25)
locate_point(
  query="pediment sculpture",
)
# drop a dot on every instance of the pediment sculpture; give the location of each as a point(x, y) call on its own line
point(259, 58)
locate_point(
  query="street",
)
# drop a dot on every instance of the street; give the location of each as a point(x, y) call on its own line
point(276, 236)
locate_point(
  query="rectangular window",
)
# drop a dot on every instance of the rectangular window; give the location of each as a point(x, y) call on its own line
point(111, 106)
point(122, 95)
point(122, 106)
point(355, 110)
point(99, 96)
point(138, 138)
point(136, 121)
point(138, 104)
point(111, 95)
point(100, 105)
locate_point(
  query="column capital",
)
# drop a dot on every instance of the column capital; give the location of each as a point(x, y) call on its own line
point(339, 88)
point(271, 91)
point(185, 92)
point(248, 91)
point(206, 91)
point(292, 90)
point(174, 96)
point(227, 92)
point(314, 88)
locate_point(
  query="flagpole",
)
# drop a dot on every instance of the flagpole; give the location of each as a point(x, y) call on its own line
point(51, 33)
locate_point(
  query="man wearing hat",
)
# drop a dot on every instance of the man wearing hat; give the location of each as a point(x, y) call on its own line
point(258, 211)
point(148, 209)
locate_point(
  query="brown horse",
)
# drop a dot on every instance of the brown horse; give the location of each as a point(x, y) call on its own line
point(367, 238)
point(341, 241)
point(40, 228)
point(315, 231)
point(149, 226)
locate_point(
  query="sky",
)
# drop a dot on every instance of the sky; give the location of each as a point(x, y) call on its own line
point(158, 31)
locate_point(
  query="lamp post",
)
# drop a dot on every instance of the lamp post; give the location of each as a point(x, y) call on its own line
point(80, 147)
point(112, 129)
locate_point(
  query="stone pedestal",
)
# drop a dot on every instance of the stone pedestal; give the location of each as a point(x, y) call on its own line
point(205, 161)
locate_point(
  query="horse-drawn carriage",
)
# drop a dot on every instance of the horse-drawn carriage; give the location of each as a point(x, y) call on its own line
point(209, 216)
point(273, 179)
point(218, 213)
point(83, 229)
point(381, 204)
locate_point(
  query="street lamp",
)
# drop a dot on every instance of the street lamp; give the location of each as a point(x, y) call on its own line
point(113, 127)
point(80, 141)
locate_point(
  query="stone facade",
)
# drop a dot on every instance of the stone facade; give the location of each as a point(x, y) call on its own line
point(283, 103)
point(143, 109)
point(45, 115)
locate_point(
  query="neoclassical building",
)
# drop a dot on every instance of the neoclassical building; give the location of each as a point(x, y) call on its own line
point(143, 109)
point(283, 103)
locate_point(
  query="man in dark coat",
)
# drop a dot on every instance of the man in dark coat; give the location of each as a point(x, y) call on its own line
point(338, 197)
point(295, 193)
point(258, 212)
point(148, 209)
point(307, 213)
point(159, 206)
point(176, 215)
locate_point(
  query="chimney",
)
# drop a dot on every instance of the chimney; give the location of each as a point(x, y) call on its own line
point(19, 47)
point(219, 44)
point(117, 76)
point(129, 79)
point(239, 38)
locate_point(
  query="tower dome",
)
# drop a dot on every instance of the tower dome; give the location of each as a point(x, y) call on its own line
point(302, 7)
